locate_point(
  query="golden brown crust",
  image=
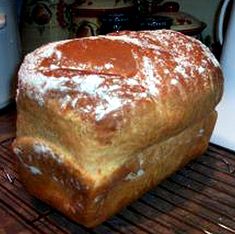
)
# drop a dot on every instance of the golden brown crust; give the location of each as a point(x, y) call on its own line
point(99, 116)
point(65, 187)
point(127, 68)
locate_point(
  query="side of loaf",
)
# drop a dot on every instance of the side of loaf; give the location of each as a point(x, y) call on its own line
point(101, 120)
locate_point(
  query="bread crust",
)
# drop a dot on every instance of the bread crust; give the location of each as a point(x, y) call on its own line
point(101, 120)
point(75, 193)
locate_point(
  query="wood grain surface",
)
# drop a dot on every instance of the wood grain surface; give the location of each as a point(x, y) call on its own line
point(198, 199)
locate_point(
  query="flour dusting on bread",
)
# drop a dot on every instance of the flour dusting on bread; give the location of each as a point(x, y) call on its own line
point(158, 56)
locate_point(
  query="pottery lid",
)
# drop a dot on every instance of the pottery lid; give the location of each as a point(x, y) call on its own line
point(182, 21)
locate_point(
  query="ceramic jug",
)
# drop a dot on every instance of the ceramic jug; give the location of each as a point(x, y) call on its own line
point(224, 133)
point(9, 51)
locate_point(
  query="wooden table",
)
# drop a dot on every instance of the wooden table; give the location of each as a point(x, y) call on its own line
point(198, 199)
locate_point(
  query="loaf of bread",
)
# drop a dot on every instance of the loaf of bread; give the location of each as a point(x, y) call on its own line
point(101, 120)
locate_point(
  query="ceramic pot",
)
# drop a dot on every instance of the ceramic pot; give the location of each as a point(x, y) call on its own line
point(87, 14)
point(43, 21)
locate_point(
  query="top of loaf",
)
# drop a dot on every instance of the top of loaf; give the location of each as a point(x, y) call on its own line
point(97, 76)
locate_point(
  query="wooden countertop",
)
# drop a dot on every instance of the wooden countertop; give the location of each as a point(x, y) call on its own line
point(198, 199)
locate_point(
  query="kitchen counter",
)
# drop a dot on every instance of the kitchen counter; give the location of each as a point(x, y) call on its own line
point(198, 199)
